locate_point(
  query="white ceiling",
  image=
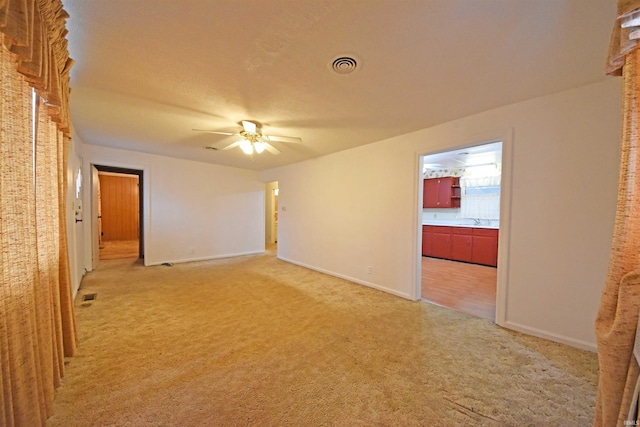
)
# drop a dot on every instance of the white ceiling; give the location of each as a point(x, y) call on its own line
point(479, 155)
point(147, 72)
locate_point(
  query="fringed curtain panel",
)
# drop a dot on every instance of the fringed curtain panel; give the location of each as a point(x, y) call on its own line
point(617, 318)
point(37, 324)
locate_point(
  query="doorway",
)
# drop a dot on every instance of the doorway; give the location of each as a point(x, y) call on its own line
point(461, 204)
point(119, 231)
point(271, 214)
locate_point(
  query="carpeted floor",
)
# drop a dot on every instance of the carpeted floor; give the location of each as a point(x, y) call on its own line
point(257, 341)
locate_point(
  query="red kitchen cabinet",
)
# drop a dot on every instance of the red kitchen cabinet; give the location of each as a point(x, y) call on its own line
point(441, 242)
point(485, 246)
point(455, 192)
point(461, 244)
point(466, 244)
point(441, 193)
point(430, 193)
point(427, 241)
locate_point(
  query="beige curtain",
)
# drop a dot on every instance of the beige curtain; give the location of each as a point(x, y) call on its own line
point(24, 389)
point(37, 324)
point(617, 318)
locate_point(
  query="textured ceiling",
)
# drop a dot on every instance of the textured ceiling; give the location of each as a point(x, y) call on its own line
point(148, 72)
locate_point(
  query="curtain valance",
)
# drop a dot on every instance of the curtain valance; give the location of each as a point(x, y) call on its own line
point(35, 31)
point(625, 35)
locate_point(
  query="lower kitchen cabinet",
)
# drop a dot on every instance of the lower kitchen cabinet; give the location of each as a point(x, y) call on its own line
point(467, 244)
point(461, 244)
point(441, 245)
point(427, 241)
point(485, 246)
point(439, 239)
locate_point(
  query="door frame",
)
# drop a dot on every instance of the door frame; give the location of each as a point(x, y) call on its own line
point(506, 179)
point(95, 224)
point(140, 174)
point(271, 236)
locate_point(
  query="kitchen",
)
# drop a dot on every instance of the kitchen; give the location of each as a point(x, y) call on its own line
point(460, 228)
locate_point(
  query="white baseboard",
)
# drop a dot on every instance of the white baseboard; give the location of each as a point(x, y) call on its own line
point(584, 345)
point(351, 279)
point(207, 258)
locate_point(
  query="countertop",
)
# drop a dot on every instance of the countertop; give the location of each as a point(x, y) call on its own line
point(444, 223)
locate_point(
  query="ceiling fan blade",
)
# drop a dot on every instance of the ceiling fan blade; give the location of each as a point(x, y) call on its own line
point(249, 127)
point(230, 146)
point(270, 148)
point(288, 139)
point(213, 131)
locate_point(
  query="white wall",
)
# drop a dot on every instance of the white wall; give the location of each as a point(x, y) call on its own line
point(356, 209)
point(440, 214)
point(192, 210)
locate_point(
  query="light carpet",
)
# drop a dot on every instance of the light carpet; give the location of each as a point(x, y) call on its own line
point(255, 341)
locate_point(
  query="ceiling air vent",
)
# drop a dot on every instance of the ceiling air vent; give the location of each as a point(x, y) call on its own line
point(344, 64)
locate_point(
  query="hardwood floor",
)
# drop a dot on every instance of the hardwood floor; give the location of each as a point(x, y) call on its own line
point(119, 249)
point(469, 288)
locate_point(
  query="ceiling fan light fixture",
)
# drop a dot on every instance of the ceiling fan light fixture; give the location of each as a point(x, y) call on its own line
point(252, 140)
point(259, 146)
point(246, 146)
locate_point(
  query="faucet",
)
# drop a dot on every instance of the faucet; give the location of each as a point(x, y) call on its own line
point(476, 221)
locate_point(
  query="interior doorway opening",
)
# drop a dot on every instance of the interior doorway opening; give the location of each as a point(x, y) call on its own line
point(271, 214)
point(118, 202)
point(461, 204)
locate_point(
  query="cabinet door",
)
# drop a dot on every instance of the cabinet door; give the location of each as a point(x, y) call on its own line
point(441, 193)
point(427, 243)
point(461, 247)
point(430, 193)
point(441, 245)
point(485, 247)
point(444, 192)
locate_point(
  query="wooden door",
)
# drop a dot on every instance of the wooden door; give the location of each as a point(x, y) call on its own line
point(119, 195)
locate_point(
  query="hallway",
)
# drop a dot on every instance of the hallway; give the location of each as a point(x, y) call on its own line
point(116, 249)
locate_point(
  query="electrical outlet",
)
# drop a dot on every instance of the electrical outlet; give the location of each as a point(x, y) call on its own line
point(370, 270)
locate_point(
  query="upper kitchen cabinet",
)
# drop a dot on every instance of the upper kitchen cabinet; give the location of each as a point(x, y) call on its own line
point(441, 192)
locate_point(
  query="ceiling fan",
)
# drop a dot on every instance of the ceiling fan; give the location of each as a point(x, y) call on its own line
point(252, 139)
